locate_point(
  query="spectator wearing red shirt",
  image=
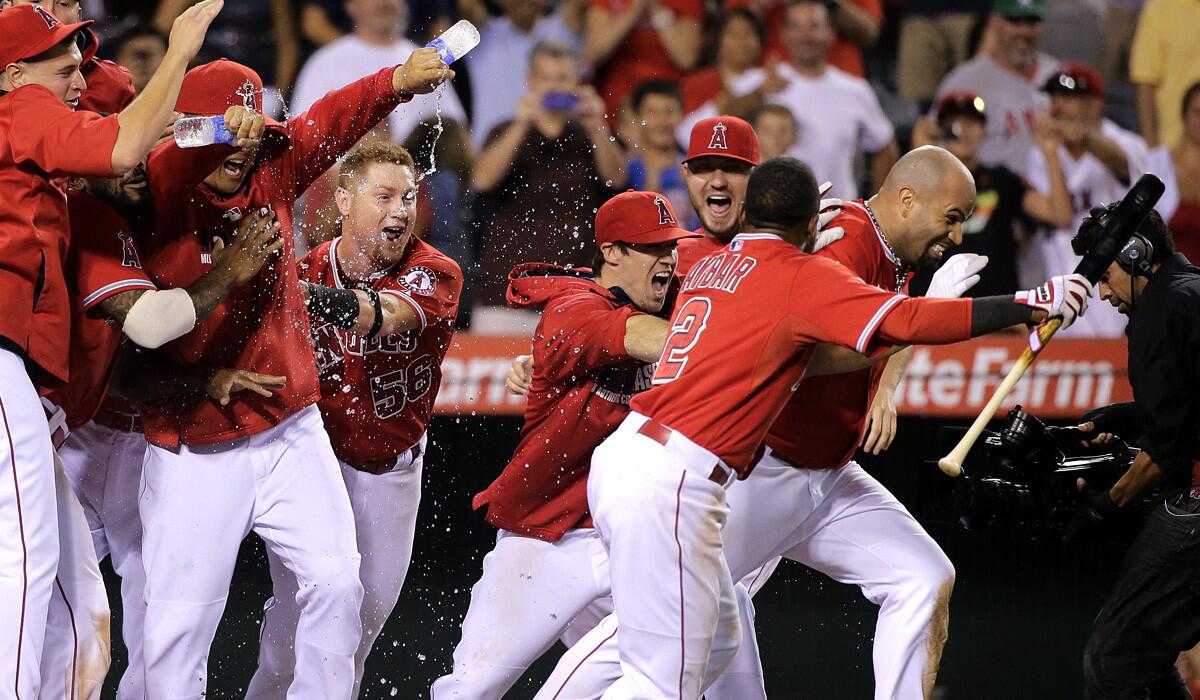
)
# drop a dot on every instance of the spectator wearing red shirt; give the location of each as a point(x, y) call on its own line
point(857, 24)
point(632, 41)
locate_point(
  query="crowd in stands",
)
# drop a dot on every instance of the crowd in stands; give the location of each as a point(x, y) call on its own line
point(1055, 105)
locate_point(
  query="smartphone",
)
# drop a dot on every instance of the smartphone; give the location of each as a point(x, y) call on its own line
point(560, 101)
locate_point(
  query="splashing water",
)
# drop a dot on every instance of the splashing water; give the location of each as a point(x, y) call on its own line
point(438, 128)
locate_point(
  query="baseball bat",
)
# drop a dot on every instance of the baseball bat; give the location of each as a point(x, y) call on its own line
point(1119, 226)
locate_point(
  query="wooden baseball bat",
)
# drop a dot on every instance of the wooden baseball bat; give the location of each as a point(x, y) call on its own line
point(1116, 228)
point(951, 464)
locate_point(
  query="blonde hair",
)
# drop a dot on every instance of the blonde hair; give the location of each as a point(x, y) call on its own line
point(363, 156)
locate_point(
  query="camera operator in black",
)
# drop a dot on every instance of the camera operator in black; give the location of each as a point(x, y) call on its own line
point(1153, 612)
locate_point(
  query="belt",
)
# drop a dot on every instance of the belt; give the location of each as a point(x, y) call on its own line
point(382, 466)
point(661, 434)
point(116, 420)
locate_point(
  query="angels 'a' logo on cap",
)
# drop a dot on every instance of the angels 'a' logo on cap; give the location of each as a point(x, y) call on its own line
point(49, 19)
point(718, 138)
point(664, 212)
point(246, 92)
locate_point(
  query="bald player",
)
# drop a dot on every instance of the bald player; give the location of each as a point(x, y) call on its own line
point(657, 486)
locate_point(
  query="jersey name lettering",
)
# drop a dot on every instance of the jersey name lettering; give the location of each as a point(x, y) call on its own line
point(395, 344)
point(724, 272)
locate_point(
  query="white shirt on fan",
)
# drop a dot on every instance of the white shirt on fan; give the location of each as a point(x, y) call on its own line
point(837, 117)
point(348, 59)
point(1090, 183)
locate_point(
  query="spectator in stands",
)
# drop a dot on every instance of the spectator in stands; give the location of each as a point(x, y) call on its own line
point(776, 129)
point(377, 42)
point(445, 162)
point(325, 21)
point(1120, 21)
point(1179, 168)
point(260, 34)
point(654, 164)
point(1002, 198)
point(934, 38)
point(631, 41)
point(542, 175)
point(506, 41)
point(140, 50)
point(1164, 62)
point(737, 83)
point(837, 113)
point(1006, 74)
point(1099, 161)
point(856, 26)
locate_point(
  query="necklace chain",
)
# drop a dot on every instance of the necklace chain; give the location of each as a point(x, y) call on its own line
point(901, 268)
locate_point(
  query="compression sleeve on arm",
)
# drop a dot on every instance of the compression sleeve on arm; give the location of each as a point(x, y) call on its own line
point(337, 306)
point(160, 316)
point(990, 314)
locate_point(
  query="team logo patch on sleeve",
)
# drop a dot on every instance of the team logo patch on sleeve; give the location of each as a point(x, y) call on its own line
point(419, 280)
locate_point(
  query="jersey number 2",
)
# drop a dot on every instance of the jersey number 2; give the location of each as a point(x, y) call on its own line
point(689, 322)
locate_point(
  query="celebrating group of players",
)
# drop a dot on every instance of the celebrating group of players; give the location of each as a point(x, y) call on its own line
point(172, 379)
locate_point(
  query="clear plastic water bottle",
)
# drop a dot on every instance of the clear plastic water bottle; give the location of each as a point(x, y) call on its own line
point(192, 132)
point(455, 42)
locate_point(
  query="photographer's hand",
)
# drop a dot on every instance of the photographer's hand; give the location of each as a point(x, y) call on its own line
point(1095, 506)
point(1092, 437)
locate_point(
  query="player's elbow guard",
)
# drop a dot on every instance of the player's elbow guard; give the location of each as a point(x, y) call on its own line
point(160, 316)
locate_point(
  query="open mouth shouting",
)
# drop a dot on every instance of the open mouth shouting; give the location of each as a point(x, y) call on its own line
point(719, 205)
point(234, 167)
point(394, 233)
point(660, 282)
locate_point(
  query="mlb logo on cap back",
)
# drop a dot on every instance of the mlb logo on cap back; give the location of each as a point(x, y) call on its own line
point(724, 136)
point(638, 217)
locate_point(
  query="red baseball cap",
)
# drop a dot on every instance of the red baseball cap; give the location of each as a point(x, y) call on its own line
point(28, 30)
point(1075, 79)
point(724, 136)
point(639, 217)
point(214, 87)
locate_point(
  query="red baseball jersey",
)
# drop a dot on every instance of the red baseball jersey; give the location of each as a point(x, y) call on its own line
point(103, 261)
point(744, 329)
point(582, 383)
point(109, 86)
point(42, 142)
point(263, 325)
point(377, 395)
point(693, 250)
point(835, 406)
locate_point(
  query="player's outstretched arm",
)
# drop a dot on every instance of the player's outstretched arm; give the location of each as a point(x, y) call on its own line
point(152, 318)
point(421, 73)
point(142, 122)
point(366, 313)
point(645, 337)
point(149, 376)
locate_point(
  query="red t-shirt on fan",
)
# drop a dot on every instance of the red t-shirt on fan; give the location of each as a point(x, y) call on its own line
point(641, 56)
point(263, 325)
point(377, 395)
point(582, 383)
point(835, 406)
point(743, 332)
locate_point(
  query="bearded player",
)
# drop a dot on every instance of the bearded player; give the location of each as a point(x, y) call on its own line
point(657, 493)
point(384, 320)
point(215, 471)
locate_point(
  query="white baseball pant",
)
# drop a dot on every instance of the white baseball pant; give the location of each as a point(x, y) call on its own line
point(197, 504)
point(29, 543)
point(104, 467)
point(846, 525)
point(385, 521)
point(531, 593)
point(660, 516)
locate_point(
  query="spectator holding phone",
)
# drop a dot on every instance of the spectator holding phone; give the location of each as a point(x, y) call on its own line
point(1005, 204)
point(542, 176)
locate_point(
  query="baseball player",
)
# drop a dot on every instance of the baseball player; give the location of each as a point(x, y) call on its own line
point(593, 349)
point(214, 471)
point(44, 140)
point(385, 310)
point(657, 494)
point(102, 458)
point(109, 86)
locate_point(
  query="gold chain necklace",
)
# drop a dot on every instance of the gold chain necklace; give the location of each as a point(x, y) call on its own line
point(901, 268)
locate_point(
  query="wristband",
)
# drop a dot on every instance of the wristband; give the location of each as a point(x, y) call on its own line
point(377, 306)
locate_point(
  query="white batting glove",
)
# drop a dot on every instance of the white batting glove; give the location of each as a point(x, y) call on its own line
point(1062, 296)
point(827, 212)
point(956, 276)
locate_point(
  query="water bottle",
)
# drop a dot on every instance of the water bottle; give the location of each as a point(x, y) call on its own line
point(191, 132)
point(455, 42)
